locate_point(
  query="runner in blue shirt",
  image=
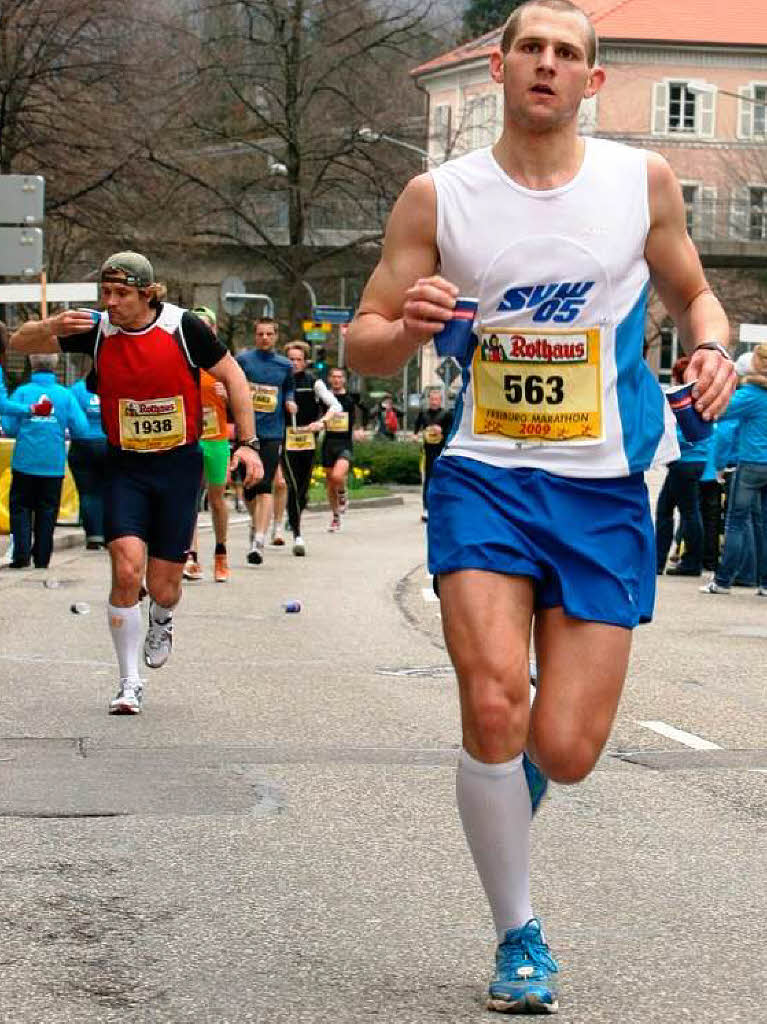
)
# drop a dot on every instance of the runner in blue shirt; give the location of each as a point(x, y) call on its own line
point(271, 383)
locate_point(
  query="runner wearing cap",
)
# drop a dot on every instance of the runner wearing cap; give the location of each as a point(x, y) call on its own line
point(270, 377)
point(215, 465)
point(147, 356)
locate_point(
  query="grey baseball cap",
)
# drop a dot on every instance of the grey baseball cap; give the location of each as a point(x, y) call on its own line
point(128, 268)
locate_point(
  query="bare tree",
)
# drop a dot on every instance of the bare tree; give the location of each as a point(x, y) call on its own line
point(265, 148)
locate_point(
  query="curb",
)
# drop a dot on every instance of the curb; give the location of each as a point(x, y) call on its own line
point(73, 537)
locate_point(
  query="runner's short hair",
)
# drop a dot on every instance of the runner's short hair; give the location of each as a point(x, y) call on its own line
point(302, 345)
point(511, 28)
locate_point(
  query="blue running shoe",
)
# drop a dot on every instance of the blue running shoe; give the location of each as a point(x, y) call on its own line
point(537, 782)
point(524, 967)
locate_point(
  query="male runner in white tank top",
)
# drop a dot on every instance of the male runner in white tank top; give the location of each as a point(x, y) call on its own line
point(538, 510)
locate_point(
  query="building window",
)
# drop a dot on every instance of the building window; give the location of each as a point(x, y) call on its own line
point(757, 222)
point(685, 108)
point(681, 108)
point(752, 110)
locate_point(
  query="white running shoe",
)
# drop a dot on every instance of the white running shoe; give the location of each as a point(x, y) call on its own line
point(335, 524)
point(256, 553)
point(159, 640)
point(129, 698)
point(712, 587)
point(761, 592)
point(299, 548)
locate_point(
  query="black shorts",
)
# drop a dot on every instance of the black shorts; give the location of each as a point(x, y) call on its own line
point(333, 450)
point(153, 497)
point(270, 452)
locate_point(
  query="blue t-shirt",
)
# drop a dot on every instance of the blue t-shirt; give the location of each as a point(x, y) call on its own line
point(748, 406)
point(91, 406)
point(271, 378)
point(39, 448)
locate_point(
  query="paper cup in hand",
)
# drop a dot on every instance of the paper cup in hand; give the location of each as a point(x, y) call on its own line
point(453, 339)
point(691, 423)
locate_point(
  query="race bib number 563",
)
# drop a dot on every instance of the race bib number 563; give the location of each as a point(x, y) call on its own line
point(539, 387)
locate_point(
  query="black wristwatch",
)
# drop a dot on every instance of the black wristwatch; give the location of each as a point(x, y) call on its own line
point(253, 443)
point(715, 346)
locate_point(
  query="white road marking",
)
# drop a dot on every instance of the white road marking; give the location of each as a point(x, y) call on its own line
point(429, 595)
point(688, 738)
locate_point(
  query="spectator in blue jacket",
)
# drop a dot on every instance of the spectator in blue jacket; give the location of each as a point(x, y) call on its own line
point(38, 461)
point(681, 489)
point(748, 495)
point(8, 407)
point(87, 461)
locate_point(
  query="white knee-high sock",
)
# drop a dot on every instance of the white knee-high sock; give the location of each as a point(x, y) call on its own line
point(125, 626)
point(494, 805)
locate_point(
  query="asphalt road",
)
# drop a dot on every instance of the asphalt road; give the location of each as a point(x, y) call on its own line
point(275, 839)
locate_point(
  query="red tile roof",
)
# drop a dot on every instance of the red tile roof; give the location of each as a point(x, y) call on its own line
point(707, 22)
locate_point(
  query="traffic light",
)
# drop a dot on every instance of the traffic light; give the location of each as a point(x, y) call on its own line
point(320, 361)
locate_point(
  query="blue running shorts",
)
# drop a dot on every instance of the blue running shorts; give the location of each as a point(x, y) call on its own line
point(153, 497)
point(589, 545)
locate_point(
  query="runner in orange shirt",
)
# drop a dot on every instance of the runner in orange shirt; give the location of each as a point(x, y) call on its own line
point(215, 454)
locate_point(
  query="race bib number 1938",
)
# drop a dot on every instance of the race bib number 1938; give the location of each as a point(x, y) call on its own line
point(152, 425)
point(541, 387)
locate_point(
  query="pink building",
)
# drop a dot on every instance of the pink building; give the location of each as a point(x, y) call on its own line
point(688, 79)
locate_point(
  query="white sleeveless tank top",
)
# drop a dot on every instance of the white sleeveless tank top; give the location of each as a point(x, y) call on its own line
point(556, 377)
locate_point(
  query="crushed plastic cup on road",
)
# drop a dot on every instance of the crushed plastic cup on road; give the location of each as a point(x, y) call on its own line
point(291, 606)
point(79, 608)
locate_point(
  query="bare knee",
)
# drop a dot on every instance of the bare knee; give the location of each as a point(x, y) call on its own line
point(564, 759)
point(495, 723)
point(127, 576)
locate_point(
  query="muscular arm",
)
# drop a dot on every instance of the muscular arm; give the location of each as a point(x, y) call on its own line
point(229, 372)
point(40, 336)
point(404, 304)
point(678, 277)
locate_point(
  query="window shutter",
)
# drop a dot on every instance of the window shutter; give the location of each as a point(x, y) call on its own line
point(708, 213)
point(740, 212)
point(745, 112)
point(660, 108)
point(706, 111)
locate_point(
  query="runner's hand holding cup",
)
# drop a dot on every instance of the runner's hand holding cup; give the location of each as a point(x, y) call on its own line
point(74, 321)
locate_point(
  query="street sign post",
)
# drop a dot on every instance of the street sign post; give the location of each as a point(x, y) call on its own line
point(333, 314)
point(21, 252)
point(22, 199)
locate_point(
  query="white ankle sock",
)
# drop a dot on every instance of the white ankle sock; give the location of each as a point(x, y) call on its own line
point(494, 805)
point(161, 614)
point(125, 627)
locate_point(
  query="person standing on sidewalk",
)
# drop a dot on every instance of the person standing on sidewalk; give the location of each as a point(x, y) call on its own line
point(147, 354)
point(747, 500)
point(39, 460)
point(538, 512)
point(271, 385)
point(87, 462)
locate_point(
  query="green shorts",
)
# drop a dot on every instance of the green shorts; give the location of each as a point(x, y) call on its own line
point(215, 462)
